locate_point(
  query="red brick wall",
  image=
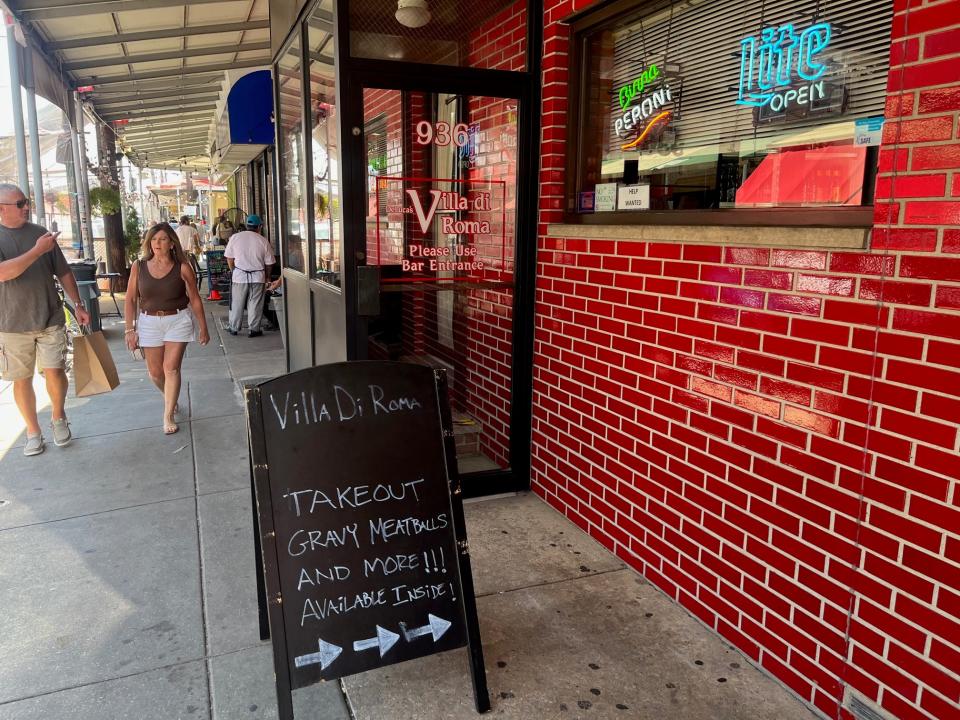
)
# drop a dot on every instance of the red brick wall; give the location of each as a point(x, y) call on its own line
point(501, 42)
point(770, 436)
point(490, 311)
point(498, 44)
point(388, 104)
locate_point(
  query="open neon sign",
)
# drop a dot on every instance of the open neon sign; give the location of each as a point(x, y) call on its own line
point(776, 59)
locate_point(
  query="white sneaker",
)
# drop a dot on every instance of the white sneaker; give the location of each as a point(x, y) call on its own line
point(34, 446)
point(61, 432)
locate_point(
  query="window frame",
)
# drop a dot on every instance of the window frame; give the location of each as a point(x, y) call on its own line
point(297, 34)
point(581, 26)
point(312, 271)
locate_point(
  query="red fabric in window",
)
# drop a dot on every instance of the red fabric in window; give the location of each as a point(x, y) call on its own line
point(831, 175)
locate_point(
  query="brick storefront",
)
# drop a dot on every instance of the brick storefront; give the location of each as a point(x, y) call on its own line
point(770, 434)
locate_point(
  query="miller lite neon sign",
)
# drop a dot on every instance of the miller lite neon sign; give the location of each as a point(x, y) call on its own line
point(771, 65)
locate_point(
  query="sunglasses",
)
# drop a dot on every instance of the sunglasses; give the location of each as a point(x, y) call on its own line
point(21, 204)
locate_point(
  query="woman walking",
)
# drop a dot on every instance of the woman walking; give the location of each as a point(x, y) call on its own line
point(163, 285)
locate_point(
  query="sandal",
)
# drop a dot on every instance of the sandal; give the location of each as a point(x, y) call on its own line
point(169, 428)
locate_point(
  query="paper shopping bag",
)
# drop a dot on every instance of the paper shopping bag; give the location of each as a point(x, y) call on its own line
point(93, 369)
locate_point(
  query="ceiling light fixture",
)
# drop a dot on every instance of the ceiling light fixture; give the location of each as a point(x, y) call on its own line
point(413, 13)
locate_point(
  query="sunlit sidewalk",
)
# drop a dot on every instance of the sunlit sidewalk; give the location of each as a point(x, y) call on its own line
point(126, 561)
point(127, 586)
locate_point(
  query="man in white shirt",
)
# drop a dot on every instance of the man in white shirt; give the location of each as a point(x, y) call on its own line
point(248, 254)
point(189, 236)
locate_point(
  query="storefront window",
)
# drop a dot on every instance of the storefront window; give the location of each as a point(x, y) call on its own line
point(290, 140)
point(700, 105)
point(56, 160)
point(327, 236)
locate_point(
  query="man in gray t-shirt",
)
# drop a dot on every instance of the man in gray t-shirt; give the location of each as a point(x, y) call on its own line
point(31, 317)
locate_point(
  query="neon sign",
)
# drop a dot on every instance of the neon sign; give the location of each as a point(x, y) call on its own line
point(646, 114)
point(660, 120)
point(776, 59)
point(626, 94)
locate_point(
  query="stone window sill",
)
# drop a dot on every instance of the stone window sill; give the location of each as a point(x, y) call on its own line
point(789, 237)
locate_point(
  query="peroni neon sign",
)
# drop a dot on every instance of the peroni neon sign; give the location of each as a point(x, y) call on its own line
point(626, 94)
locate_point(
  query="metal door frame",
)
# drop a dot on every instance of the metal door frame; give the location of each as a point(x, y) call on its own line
point(356, 74)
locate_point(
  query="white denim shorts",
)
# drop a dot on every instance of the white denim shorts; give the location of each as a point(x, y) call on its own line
point(155, 330)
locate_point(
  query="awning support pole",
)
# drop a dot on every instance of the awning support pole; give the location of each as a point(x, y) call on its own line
point(86, 226)
point(28, 83)
point(143, 215)
point(17, 107)
point(70, 167)
point(80, 173)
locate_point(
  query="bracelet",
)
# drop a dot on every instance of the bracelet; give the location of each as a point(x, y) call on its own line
point(127, 332)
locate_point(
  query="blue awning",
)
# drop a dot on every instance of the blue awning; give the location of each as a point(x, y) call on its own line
point(250, 109)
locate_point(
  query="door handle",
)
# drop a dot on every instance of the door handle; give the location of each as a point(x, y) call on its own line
point(368, 290)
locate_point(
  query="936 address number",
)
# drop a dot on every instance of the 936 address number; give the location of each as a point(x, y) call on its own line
point(441, 134)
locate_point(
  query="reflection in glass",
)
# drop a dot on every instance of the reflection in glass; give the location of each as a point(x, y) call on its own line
point(290, 136)
point(58, 175)
point(325, 155)
point(441, 227)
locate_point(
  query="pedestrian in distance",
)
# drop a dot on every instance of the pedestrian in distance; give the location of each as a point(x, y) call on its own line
point(32, 321)
point(223, 231)
point(189, 236)
point(162, 312)
point(248, 254)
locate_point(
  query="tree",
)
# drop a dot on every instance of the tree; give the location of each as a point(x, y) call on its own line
point(131, 232)
point(108, 176)
point(104, 201)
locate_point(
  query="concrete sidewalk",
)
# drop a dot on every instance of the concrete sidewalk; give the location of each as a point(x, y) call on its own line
point(127, 587)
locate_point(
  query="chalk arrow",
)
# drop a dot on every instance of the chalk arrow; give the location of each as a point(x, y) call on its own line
point(436, 627)
point(384, 640)
point(328, 653)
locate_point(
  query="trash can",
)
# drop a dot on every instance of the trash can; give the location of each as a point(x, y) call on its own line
point(90, 295)
point(84, 270)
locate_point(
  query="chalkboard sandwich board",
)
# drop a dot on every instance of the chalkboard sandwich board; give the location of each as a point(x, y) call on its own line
point(360, 522)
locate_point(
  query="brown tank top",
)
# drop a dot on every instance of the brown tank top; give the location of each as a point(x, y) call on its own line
point(167, 293)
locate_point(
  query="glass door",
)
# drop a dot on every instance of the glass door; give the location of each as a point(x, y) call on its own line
point(441, 206)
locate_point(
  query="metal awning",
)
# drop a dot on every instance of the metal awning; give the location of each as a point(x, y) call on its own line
point(157, 67)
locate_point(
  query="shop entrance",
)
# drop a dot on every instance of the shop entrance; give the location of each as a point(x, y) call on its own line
point(438, 268)
point(407, 151)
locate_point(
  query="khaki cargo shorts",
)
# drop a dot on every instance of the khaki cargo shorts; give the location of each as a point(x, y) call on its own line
point(20, 353)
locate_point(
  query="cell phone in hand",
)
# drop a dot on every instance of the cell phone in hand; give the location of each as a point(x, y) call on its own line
point(137, 353)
